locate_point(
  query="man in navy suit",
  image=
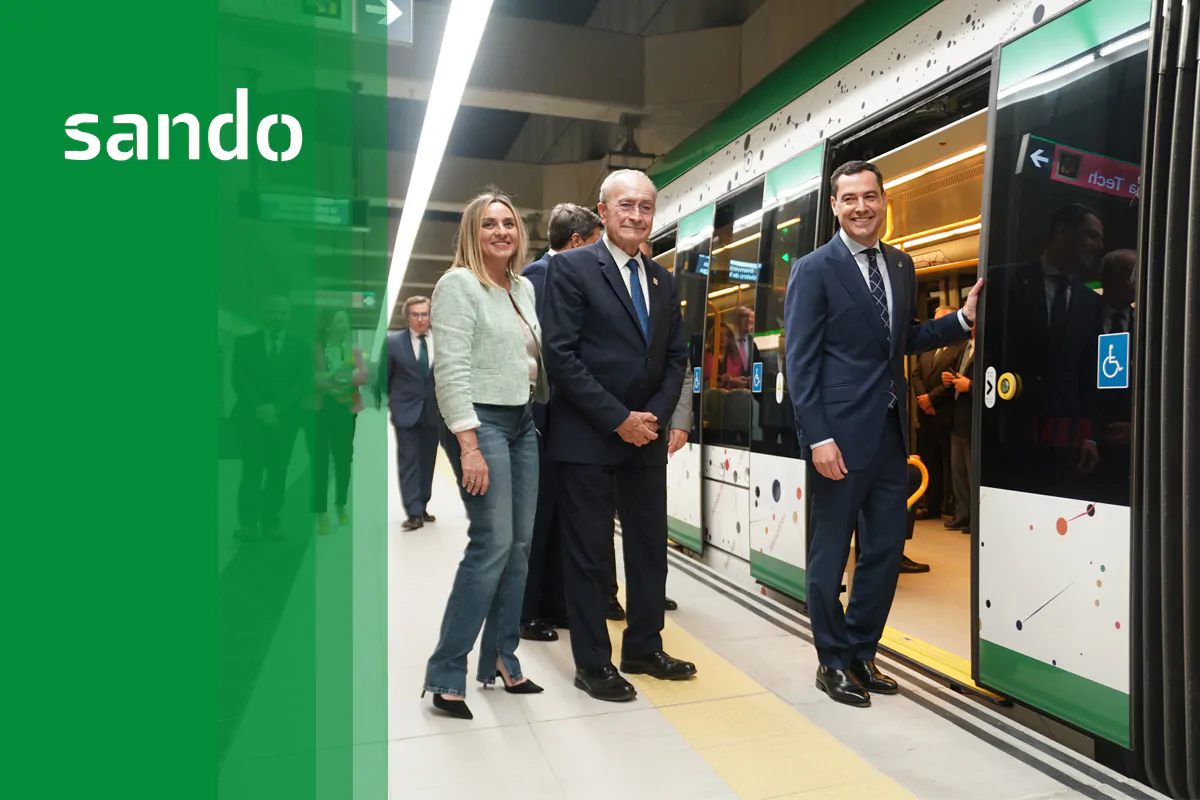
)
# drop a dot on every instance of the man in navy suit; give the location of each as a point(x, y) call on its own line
point(614, 349)
point(850, 319)
point(415, 415)
point(545, 606)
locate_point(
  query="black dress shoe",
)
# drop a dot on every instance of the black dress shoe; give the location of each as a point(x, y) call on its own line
point(557, 621)
point(659, 665)
point(671, 605)
point(842, 688)
point(605, 683)
point(412, 523)
point(428, 518)
point(871, 679)
point(908, 566)
point(537, 630)
point(614, 610)
point(956, 525)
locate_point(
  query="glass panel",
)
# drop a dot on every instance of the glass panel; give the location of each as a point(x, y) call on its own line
point(691, 284)
point(662, 250)
point(730, 351)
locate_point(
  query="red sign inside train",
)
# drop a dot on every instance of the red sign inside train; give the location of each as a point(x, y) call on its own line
point(1097, 173)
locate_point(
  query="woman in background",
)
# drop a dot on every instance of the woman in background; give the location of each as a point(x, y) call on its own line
point(488, 372)
point(340, 371)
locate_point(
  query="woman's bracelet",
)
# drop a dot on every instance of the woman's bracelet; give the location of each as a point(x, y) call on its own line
point(466, 453)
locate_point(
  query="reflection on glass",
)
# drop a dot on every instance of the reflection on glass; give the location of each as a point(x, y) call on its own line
point(730, 350)
point(691, 281)
point(789, 230)
point(1061, 269)
point(662, 250)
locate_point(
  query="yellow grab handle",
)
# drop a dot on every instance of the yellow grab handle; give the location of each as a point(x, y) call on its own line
point(916, 462)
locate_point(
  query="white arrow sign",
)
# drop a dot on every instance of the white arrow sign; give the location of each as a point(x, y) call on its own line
point(390, 12)
point(1039, 158)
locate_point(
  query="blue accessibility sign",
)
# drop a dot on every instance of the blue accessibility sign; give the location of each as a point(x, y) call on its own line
point(756, 381)
point(1112, 357)
point(696, 381)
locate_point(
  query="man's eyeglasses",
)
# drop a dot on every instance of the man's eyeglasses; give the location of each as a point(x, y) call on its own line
point(646, 209)
point(418, 315)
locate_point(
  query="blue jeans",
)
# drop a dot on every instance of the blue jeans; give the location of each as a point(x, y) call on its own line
point(490, 584)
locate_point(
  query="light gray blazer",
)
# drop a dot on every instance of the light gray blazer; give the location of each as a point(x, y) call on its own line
point(481, 356)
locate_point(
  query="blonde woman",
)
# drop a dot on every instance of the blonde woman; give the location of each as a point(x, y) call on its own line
point(488, 372)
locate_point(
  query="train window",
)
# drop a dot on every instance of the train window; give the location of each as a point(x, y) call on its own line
point(693, 247)
point(789, 224)
point(1061, 261)
point(662, 250)
point(729, 351)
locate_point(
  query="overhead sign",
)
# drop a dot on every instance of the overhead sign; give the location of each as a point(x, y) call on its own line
point(385, 19)
point(746, 271)
point(1065, 164)
point(756, 380)
point(1112, 368)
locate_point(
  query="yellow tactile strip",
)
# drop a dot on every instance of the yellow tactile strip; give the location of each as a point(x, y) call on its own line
point(759, 744)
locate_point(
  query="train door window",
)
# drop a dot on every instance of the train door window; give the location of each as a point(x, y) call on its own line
point(662, 250)
point(1055, 342)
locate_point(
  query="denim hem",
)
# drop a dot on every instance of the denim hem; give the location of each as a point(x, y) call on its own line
point(516, 677)
point(431, 689)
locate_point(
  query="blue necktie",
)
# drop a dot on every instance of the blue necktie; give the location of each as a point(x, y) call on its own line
point(639, 300)
point(875, 280)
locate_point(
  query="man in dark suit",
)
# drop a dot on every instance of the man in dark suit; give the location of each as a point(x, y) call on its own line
point(614, 349)
point(413, 404)
point(850, 320)
point(545, 606)
point(272, 370)
point(958, 381)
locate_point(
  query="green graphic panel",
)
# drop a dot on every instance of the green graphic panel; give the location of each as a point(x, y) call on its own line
point(1090, 705)
point(779, 575)
point(696, 223)
point(686, 535)
point(783, 181)
point(1083, 29)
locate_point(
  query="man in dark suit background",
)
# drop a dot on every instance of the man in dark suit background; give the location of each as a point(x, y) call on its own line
point(850, 320)
point(272, 371)
point(415, 416)
point(545, 606)
point(614, 349)
point(958, 381)
point(934, 404)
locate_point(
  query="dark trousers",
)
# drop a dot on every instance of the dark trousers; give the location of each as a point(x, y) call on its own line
point(960, 468)
point(335, 441)
point(590, 495)
point(416, 452)
point(266, 451)
point(873, 499)
point(933, 443)
point(545, 594)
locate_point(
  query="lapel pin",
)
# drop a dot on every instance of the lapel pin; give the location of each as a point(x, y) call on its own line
point(655, 280)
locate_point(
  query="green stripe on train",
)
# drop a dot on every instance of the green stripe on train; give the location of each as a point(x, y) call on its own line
point(779, 575)
point(684, 534)
point(855, 34)
point(1092, 706)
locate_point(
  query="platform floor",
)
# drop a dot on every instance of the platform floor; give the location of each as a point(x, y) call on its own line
point(751, 725)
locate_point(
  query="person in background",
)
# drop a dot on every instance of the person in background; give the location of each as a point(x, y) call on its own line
point(615, 353)
point(340, 373)
point(850, 320)
point(935, 404)
point(413, 403)
point(271, 372)
point(545, 605)
point(959, 382)
point(489, 374)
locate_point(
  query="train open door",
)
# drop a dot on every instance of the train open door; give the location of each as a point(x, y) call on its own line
point(693, 242)
point(1051, 381)
point(778, 494)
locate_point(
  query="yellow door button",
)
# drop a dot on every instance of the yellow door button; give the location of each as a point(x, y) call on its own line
point(1009, 387)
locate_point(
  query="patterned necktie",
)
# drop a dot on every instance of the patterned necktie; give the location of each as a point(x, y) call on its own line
point(423, 359)
point(875, 280)
point(639, 300)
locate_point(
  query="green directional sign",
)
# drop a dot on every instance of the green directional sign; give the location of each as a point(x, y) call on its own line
point(385, 19)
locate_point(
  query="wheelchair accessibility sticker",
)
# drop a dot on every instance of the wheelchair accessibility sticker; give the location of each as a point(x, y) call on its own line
point(1112, 369)
point(756, 381)
point(696, 381)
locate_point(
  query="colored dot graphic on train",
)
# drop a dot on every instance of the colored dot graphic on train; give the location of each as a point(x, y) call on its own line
point(776, 490)
point(1063, 523)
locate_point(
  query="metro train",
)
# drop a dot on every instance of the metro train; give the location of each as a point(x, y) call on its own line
point(1046, 146)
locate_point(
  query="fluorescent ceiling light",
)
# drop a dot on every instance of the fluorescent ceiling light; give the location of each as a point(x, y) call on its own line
point(730, 290)
point(937, 237)
point(1048, 76)
point(951, 161)
point(460, 43)
point(786, 223)
point(747, 221)
point(738, 243)
point(1121, 44)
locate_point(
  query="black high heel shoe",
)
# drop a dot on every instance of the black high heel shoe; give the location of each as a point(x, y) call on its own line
point(524, 687)
point(453, 708)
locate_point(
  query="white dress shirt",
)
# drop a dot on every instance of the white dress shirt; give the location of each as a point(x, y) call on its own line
point(622, 258)
point(416, 343)
point(859, 253)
